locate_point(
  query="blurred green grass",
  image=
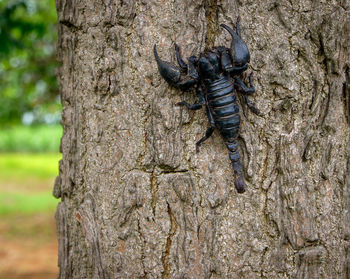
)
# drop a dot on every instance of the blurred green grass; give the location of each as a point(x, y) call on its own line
point(26, 182)
point(26, 203)
point(39, 138)
point(24, 166)
point(26, 179)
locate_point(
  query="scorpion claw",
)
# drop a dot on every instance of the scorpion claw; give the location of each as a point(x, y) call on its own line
point(173, 75)
point(168, 71)
point(181, 63)
point(239, 49)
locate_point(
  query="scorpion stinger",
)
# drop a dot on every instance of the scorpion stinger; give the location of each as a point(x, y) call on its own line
point(173, 75)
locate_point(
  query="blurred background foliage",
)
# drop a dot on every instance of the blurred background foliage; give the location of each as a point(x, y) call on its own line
point(28, 87)
point(29, 138)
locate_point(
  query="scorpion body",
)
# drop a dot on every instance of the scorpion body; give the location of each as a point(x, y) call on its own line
point(221, 104)
point(215, 75)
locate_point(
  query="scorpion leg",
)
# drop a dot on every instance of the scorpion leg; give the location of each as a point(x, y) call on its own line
point(232, 146)
point(208, 132)
point(251, 105)
point(241, 87)
point(196, 105)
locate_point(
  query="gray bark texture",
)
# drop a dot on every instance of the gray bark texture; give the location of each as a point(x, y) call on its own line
point(137, 201)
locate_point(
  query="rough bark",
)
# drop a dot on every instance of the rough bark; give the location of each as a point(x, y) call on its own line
point(136, 199)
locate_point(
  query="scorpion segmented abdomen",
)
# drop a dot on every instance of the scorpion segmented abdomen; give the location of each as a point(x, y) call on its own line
point(222, 103)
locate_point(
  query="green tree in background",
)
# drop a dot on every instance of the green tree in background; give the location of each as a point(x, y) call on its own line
point(28, 88)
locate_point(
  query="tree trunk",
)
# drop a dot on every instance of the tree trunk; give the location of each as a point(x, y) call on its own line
point(137, 201)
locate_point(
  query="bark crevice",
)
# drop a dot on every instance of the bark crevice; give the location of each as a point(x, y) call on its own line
point(212, 20)
point(172, 231)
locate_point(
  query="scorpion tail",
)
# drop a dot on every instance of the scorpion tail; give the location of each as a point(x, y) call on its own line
point(236, 164)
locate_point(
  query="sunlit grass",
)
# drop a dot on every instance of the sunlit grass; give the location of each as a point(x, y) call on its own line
point(42, 138)
point(24, 166)
point(27, 203)
point(26, 183)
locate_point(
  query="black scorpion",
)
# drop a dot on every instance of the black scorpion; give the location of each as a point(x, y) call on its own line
point(214, 75)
